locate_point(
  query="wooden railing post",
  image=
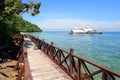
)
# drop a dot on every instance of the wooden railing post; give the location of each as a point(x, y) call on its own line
point(51, 55)
point(43, 44)
point(51, 43)
point(39, 44)
point(71, 60)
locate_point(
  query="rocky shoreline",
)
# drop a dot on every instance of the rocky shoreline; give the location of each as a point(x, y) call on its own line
point(6, 70)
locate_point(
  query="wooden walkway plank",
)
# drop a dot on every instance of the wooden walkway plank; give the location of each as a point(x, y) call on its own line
point(42, 67)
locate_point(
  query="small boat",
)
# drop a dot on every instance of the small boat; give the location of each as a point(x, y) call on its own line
point(85, 31)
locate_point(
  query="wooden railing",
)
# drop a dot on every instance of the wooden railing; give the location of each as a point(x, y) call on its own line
point(18, 38)
point(22, 67)
point(77, 67)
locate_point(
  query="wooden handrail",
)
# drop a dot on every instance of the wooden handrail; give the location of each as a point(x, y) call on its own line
point(27, 75)
point(22, 65)
point(75, 66)
point(97, 65)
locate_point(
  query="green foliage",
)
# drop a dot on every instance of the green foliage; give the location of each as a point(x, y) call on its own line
point(25, 26)
point(11, 23)
point(15, 7)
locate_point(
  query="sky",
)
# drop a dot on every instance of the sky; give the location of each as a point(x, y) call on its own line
point(102, 15)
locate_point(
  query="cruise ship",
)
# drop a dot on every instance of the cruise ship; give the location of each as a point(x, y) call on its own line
point(84, 31)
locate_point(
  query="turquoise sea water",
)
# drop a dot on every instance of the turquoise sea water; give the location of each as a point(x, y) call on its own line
point(102, 49)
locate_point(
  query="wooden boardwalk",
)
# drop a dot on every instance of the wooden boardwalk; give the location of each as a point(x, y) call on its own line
point(42, 67)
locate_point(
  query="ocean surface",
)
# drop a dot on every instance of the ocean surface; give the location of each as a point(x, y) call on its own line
point(103, 49)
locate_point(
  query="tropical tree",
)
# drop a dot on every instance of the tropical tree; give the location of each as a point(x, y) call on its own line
point(9, 12)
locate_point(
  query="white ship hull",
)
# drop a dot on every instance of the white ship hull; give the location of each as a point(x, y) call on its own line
point(84, 31)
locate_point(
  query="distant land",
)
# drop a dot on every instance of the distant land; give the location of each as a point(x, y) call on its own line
point(26, 26)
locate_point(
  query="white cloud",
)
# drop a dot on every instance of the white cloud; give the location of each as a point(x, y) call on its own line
point(117, 23)
point(67, 24)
